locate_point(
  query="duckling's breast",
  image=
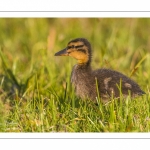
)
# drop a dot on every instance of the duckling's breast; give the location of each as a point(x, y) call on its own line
point(83, 81)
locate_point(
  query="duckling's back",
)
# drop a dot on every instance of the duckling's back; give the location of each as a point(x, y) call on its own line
point(113, 83)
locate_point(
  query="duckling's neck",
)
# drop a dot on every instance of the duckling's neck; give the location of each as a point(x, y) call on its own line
point(84, 66)
point(80, 73)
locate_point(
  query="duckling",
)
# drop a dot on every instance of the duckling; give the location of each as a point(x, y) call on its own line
point(89, 83)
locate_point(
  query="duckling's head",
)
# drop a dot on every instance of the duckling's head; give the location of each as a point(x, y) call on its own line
point(79, 49)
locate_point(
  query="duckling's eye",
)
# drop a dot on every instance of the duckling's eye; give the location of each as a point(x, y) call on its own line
point(72, 46)
point(69, 47)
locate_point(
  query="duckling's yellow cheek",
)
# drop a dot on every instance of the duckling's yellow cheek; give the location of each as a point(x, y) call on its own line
point(73, 54)
point(81, 57)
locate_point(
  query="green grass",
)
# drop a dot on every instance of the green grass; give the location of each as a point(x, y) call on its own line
point(35, 90)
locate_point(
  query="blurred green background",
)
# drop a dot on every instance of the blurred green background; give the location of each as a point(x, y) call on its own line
point(117, 43)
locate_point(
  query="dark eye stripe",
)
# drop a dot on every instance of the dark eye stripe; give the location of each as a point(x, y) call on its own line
point(72, 46)
point(81, 50)
point(79, 46)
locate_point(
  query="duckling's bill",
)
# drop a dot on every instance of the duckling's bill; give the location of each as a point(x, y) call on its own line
point(62, 53)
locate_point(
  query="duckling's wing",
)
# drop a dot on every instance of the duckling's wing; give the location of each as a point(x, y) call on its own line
point(115, 83)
